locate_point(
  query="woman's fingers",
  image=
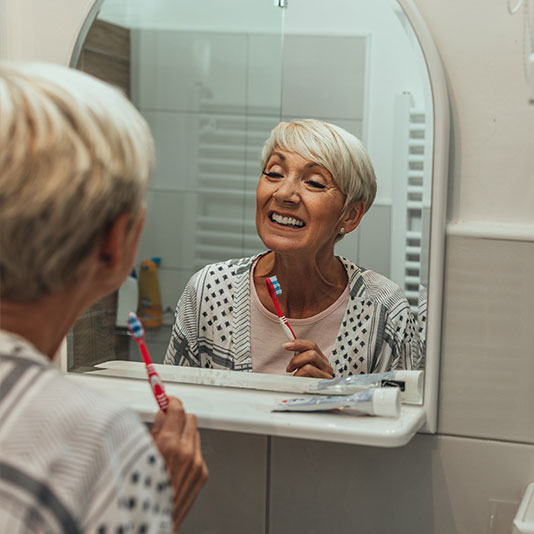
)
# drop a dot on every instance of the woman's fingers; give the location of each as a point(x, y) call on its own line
point(311, 371)
point(310, 364)
point(309, 360)
point(303, 345)
point(172, 421)
point(176, 436)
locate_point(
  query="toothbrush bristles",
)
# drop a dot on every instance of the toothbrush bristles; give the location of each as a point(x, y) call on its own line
point(276, 285)
point(135, 326)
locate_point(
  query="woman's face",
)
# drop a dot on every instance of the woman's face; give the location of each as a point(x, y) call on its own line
point(298, 205)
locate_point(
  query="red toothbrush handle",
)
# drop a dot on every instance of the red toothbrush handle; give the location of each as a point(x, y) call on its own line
point(153, 378)
point(281, 317)
point(144, 351)
point(157, 388)
point(287, 327)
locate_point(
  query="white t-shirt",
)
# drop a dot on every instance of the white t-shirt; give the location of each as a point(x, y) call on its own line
point(72, 461)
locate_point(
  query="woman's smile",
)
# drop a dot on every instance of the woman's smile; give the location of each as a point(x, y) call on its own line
point(288, 221)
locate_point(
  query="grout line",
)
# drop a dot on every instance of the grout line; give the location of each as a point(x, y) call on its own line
point(240, 114)
point(501, 231)
point(479, 438)
point(268, 486)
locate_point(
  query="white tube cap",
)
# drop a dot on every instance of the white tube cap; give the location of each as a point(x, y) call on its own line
point(413, 386)
point(386, 402)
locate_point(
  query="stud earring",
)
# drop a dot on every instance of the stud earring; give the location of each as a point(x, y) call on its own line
point(342, 230)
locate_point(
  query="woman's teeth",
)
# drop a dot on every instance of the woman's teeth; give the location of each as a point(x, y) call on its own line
point(287, 221)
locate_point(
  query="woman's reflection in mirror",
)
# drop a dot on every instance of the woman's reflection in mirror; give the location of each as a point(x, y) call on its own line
point(316, 184)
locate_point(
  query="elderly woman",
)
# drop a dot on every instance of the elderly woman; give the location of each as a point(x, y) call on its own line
point(75, 157)
point(317, 182)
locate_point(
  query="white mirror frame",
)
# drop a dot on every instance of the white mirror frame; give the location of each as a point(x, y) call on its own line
point(47, 44)
point(440, 169)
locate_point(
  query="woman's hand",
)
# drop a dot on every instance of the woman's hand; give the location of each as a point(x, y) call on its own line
point(309, 360)
point(176, 436)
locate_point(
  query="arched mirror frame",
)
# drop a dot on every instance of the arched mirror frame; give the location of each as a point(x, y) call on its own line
point(440, 155)
point(440, 167)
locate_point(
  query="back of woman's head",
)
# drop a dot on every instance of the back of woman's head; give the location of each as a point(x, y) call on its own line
point(335, 149)
point(74, 156)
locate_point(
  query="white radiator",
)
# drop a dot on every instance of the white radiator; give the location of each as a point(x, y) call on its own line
point(228, 171)
point(410, 184)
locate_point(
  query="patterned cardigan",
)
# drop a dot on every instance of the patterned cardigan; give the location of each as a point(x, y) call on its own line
point(212, 322)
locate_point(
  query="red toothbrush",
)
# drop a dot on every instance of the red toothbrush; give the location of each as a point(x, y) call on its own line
point(138, 333)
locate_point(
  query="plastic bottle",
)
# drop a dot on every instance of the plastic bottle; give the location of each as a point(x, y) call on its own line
point(150, 311)
point(128, 299)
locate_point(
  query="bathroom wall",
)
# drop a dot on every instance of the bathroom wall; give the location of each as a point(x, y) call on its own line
point(469, 477)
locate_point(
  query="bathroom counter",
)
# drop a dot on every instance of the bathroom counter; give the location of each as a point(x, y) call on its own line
point(249, 410)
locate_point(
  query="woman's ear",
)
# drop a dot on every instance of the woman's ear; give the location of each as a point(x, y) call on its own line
point(114, 254)
point(353, 216)
point(113, 243)
point(118, 247)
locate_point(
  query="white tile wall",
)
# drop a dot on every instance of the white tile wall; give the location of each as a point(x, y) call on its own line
point(375, 240)
point(169, 228)
point(201, 69)
point(349, 246)
point(172, 283)
point(369, 245)
point(322, 77)
point(176, 138)
point(264, 78)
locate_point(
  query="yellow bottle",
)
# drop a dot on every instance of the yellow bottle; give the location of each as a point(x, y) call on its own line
point(150, 310)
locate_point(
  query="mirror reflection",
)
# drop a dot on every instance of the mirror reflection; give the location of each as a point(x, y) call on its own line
point(213, 81)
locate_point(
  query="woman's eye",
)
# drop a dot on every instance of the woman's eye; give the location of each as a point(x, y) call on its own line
point(272, 174)
point(316, 185)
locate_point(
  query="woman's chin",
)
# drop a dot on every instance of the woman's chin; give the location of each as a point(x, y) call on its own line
point(289, 246)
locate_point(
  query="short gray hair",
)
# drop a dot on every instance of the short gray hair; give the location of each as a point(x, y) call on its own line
point(338, 151)
point(74, 156)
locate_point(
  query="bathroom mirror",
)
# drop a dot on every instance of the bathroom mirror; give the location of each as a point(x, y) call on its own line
point(213, 78)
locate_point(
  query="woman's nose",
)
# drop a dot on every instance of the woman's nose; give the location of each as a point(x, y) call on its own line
point(288, 190)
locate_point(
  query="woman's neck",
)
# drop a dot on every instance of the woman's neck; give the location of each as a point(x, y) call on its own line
point(43, 322)
point(309, 285)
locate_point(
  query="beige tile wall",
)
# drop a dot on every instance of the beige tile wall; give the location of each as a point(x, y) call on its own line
point(487, 361)
point(435, 484)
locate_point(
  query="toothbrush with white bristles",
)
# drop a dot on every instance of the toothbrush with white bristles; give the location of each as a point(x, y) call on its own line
point(274, 289)
point(138, 333)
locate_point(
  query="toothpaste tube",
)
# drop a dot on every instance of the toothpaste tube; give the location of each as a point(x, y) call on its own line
point(378, 401)
point(410, 384)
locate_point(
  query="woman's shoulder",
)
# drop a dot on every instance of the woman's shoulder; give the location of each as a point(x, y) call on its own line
point(69, 415)
point(368, 284)
point(90, 407)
